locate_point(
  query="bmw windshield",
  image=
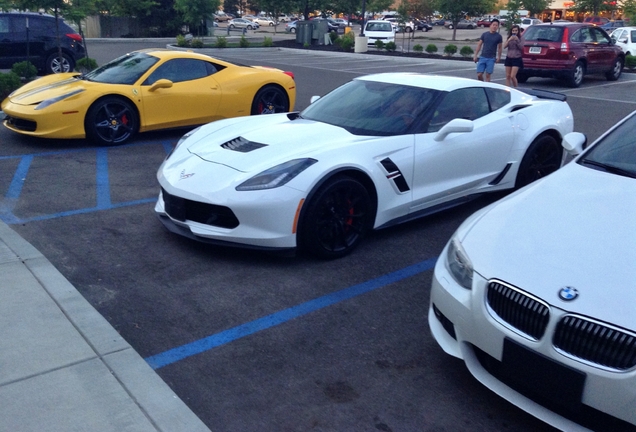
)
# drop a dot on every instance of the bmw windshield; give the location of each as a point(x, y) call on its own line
point(126, 69)
point(373, 108)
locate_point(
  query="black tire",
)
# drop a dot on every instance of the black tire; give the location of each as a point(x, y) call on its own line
point(292, 30)
point(543, 157)
point(249, 27)
point(269, 100)
point(521, 77)
point(336, 218)
point(231, 26)
point(111, 121)
point(576, 75)
point(615, 72)
point(57, 64)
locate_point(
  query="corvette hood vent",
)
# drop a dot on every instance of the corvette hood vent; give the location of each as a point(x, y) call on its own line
point(242, 145)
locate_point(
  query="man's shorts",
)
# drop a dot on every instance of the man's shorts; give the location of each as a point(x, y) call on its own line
point(485, 64)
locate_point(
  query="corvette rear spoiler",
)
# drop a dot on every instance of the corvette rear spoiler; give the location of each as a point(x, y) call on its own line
point(544, 94)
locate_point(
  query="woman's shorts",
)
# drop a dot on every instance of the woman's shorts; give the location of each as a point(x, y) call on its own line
point(511, 62)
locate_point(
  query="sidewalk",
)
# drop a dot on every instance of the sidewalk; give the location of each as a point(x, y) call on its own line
point(62, 366)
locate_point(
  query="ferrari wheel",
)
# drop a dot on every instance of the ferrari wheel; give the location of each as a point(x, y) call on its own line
point(543, 157)
point(111, 121)
point(59, 64)
point(269, 100)
point(336, 218)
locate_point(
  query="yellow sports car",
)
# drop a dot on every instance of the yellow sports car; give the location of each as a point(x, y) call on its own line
point(143, 91)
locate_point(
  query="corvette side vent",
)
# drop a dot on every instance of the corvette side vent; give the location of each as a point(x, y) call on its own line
point(394, 173)
point(242, 145)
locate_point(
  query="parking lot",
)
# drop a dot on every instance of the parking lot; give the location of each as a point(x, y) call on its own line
point(256, 341)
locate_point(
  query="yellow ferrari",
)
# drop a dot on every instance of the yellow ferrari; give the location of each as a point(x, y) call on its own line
point(143, 91)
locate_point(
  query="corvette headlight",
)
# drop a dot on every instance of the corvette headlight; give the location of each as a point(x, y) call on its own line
point(459, 264)
point(51, 101)
point(277, 176)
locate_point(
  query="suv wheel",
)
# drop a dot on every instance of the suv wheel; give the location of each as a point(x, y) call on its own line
point(576, 75)
point(616, 70)
point(57, 64)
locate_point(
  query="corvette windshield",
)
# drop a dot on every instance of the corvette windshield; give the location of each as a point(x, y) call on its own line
point(126, 69)
point(616, 153)
point(373, 108)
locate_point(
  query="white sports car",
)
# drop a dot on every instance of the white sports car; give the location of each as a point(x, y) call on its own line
point(536, 292)
point(377, 151)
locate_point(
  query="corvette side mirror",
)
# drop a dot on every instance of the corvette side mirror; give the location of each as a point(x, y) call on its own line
point(313, 99)
point(454, 126)
point(162, 83)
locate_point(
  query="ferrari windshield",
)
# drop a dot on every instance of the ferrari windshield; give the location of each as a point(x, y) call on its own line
point(616, 153)
point(373, 108)
point(126, 69)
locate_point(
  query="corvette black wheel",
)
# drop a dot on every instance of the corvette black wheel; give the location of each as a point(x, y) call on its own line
point(336, 218)
point(111, 121)
point(543, 157)
point(269, 100)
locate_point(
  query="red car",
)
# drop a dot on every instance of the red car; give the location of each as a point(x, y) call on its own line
point(569, 51)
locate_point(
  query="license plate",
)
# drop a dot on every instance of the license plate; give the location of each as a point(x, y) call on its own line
point(535, 50)
point(539, 376)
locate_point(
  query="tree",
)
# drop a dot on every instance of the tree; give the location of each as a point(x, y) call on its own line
point(593, 6)
point(456, 10)
point(377, 6)
point(535, 7)
point(629, 9)
point(196, 12)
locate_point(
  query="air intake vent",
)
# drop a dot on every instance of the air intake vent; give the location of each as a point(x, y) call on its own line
point(242, 145)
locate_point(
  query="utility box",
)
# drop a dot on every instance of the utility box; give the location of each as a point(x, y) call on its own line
point(304, 30)
point(320, 29)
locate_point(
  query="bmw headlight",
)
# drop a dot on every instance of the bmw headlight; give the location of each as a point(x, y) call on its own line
point(277, 176)
point(459, 264)
point(51, 101)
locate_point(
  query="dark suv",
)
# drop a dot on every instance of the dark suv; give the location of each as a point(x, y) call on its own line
point(569, 51)
point(31, 36)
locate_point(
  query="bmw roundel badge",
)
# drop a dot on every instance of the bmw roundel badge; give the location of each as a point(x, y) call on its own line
point(568, 293)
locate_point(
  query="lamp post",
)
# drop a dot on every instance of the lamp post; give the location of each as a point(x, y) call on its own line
point(364, 16)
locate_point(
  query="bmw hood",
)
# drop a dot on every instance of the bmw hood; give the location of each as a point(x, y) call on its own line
point(576, 228)
point(258, 142)
point(47, 87)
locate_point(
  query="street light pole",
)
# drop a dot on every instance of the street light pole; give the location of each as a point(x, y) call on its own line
point(364, 16)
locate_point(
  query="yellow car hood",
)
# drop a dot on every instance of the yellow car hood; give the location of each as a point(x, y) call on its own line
point(47, 87)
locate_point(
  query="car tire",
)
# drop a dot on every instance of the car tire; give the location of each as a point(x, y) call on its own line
point(271, 24)
point(450, 26)
point(615, 72)
point(576, 74)
point(249, 27)
point(55, 64)
point(543, 157)
point(231, 26)
point(292, 30)
point(336, 218)
point(111, 121)
point(269, 100)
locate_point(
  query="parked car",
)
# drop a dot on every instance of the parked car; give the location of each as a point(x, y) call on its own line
point(439, 22)
point(142, 91)
point(42, 47)
point(264, 21)
point(285, 18)
point(222, 17)
point(484, 22)
point(462, 24)
point(249, 17)
point(610, 26)
point(536, 291)
point(596, 20)
point(290, 27)
point(527, 22)
point(379, 150)
point(569, 51)
point(242, 23)
point(380, 30)
point(625, 38)
point(423, 25)
point(342, 23)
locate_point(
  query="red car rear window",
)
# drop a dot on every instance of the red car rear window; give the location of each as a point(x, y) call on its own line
point(543, 34)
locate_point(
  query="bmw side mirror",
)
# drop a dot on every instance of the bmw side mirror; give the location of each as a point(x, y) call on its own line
point(574, 143)
point(454, 126)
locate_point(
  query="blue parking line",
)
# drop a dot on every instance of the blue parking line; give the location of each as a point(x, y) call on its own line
point(103, 182)
point(184, 351)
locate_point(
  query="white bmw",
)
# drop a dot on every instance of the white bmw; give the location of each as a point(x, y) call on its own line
point(537, 292)
point(377, 151)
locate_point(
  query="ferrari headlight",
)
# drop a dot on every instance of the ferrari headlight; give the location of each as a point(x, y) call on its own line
point(277, 176)
point(459, 264)
point(51, 101)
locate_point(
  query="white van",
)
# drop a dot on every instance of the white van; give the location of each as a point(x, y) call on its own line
point(379, 30)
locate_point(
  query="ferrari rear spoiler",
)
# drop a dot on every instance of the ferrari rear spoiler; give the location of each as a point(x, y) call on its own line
point(544, 94)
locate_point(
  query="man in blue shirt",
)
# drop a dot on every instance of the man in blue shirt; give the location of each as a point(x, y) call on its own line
point(491, 42)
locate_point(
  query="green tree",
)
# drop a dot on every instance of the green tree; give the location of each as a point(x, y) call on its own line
point(535, 7)
point(455, 10)
point(377, 6)
point(629, 9)
point(196, 12)
point(54, 6)
point(592, 6)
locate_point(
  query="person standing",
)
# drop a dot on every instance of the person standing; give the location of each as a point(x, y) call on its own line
point(490, 47)
point(514, 60)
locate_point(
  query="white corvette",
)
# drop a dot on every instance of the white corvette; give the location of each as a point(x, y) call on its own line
point(377, 151)
point(537, 292)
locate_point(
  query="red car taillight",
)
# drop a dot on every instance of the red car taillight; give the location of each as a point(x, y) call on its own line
point(291, 74)
point(565, 46)
point(75, 37)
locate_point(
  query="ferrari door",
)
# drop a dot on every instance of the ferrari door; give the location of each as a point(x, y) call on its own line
point(462, 163)
point(180, 92)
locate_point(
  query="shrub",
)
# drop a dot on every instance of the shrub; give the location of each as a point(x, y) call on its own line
point(268, 42)
point(390, 46)
point(221, 42)
point(8, 83)
point(306, 45)
point(243, 42)
point(418, 48)
point(379, 44)
point(466, 51)
point(450, 49)
point(333, 36)
point(346, 41)
point(197, 43)
point(431, 48)
point(86, 64)
point(630, 62)
point(25, 70)
point(181, 41)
